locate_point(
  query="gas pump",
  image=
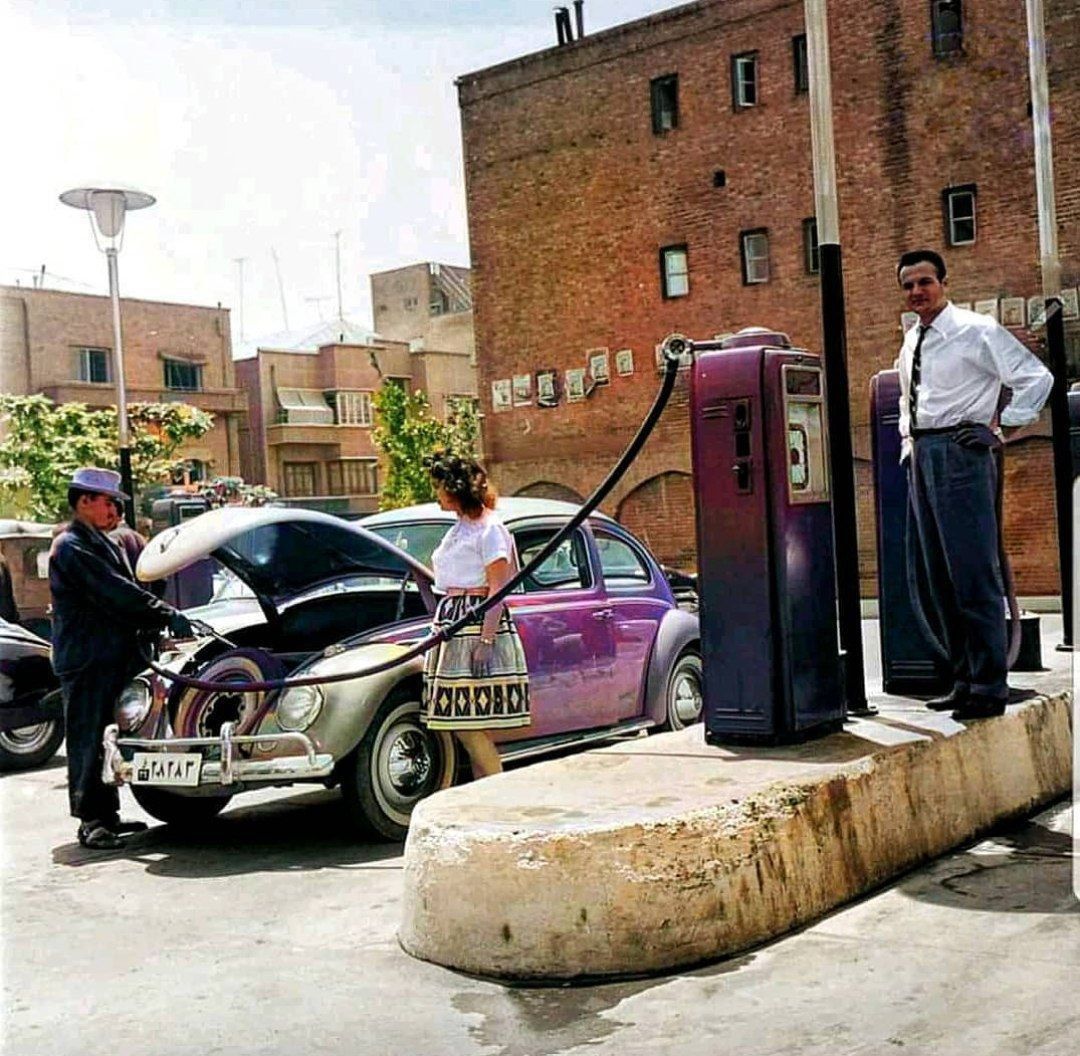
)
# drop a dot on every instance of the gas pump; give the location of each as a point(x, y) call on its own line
point(766, 567)
point(193, 585)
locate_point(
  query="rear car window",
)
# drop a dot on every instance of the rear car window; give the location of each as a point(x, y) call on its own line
point(622, 565)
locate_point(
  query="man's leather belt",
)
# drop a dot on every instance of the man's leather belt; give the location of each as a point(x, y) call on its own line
point(944, 429)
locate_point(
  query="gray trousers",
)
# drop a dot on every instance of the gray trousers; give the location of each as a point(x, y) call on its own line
point(953, 492)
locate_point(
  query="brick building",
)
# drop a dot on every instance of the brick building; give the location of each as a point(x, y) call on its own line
point(656, 177)
point(60, 344)
point(311, 410)
point(429, 303)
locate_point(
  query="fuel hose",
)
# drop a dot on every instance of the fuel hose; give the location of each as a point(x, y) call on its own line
point(673, 349)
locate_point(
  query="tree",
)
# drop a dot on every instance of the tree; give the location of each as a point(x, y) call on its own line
point(44, 443)
point(406, 431)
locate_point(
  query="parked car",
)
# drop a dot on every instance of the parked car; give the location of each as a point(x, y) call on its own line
point(31, 708)
point(608, 652)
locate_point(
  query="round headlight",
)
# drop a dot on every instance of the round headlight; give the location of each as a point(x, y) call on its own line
point(298, 708)
point(133, 705)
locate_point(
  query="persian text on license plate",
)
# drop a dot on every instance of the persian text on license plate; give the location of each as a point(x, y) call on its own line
point(166, 768)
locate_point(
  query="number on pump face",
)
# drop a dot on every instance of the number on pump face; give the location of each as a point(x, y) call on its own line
point(166, 768)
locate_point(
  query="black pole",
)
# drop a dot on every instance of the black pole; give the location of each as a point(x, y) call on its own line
point(1063, 473)
point(842, 468)
point(127, 485)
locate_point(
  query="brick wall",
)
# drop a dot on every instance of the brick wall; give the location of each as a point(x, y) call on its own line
point(571, 196)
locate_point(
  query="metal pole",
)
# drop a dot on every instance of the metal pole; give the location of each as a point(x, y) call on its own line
point(834, 334)
point(1050, 264)
point(126, 482)
point(337, 269)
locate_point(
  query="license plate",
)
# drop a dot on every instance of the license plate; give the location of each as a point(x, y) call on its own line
point(166, 768)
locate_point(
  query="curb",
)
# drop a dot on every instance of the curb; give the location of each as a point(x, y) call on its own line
point(547, 873)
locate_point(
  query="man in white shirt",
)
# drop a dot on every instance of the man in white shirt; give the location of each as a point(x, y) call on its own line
point(953, 366)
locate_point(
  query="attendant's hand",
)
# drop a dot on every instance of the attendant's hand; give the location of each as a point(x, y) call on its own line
point(180, 626)
point(480, 660)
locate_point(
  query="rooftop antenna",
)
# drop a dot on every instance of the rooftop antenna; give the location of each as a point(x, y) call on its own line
point(239, 261)
point(281, 287)
point(337, 268)
point(318, 302)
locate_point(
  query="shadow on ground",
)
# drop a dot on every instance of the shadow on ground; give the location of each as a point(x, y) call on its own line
point(304, 832)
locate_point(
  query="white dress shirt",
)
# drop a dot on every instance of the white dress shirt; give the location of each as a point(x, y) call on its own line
point(461, 559)
point(965, 360)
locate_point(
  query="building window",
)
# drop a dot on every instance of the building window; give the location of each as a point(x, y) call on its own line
point(353, 408)
point(93, 365)
point(674, 272)
point(801, 64)
point(298, 479)
point(947, 27)
point(755, 256)
point(664, 92)
point(412, 302)
point(811, 255)
point(183, 377)
point(744, 87)
point(353, 476)
point(959, 205)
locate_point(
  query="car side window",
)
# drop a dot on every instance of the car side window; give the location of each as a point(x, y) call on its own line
point(566, 569)
point(622, 565)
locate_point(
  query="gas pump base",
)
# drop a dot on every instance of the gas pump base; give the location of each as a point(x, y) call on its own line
point(747, 740)
point(664, 852)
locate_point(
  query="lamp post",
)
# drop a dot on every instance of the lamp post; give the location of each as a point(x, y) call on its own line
point(107, 207)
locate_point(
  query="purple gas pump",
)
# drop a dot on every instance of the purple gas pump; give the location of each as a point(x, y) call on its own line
point(766, 568)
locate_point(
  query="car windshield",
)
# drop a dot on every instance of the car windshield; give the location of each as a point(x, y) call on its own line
point(417, 539)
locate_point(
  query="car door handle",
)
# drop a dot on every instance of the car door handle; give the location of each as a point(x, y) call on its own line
point(603, 614)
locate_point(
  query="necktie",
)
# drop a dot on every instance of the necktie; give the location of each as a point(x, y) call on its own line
point(916, 372)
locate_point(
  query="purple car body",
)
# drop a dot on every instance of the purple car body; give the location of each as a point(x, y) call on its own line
point(609, 653)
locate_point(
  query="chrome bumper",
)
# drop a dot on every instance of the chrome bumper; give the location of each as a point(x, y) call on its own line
point(229, 770)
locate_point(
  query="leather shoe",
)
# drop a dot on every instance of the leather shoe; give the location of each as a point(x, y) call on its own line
point(957, 697)
point(122, 828)
point(979, 707)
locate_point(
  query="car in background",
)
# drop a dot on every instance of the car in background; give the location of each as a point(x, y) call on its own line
point(608, 650)
point(31, 708)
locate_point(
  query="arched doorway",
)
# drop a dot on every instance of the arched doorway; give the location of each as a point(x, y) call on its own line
point(660, 512)
point(546, 489)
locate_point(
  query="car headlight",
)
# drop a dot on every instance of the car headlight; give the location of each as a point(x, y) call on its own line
point(299, 707)
point(133, 705)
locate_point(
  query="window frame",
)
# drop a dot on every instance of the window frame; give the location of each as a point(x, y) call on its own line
point(800, 59)
point(811, 246)
point(173, 363)
point(746, 259)
point(738, 100)
point(81, 360)
point(948, 197)
point(337, 483)
point(364, 418)
point(578, 542)
point(632, 586)
point(289, 468)
point(946, 44)
point(657, 86)
point(665, 285)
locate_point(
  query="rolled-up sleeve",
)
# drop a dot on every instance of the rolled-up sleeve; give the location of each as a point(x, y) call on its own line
point(1023, 372)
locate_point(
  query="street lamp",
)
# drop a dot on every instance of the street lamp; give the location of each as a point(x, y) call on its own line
point(107, 207)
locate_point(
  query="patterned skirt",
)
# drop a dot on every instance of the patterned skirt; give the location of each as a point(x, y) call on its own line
point(453, 698)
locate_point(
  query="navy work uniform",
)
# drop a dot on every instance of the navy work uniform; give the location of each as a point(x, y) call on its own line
point(98, 614)
point(951, 375)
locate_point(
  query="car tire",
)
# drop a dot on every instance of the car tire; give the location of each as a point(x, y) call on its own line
point(683, 695)
point(182, 812)
point(30, 746)
point(397, 763)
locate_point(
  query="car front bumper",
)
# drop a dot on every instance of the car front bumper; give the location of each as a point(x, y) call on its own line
point(228, 769)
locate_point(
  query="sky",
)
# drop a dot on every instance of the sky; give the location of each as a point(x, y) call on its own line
point(262, 129)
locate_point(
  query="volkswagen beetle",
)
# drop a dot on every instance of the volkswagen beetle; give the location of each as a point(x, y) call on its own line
point(608, 651)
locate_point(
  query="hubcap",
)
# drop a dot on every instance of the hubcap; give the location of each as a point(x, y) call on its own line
point(408, 763)
point(686, 694)
point(26, 739)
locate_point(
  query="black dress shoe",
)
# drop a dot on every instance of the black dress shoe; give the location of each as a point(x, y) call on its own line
point(122, 828)
point(95, 836)
point(979, 707)
point(957, 697)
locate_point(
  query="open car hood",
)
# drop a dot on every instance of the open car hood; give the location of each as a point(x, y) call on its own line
point(279, 552)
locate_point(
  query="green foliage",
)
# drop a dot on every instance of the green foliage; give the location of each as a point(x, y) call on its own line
point(230, 491)
point(406, 431)
point(44, 443)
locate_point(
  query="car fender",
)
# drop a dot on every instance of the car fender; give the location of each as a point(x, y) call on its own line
point(348, 706)
point(678, 630)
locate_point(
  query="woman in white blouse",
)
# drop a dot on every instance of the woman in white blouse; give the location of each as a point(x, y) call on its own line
point(477, 680)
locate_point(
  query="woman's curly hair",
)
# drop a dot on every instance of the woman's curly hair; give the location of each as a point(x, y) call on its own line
point(463, 479)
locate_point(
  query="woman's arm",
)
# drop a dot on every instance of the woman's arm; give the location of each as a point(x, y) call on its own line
point(496, 573)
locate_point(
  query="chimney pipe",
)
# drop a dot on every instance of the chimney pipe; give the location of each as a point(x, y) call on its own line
point(562, 26)
point(579, 15)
